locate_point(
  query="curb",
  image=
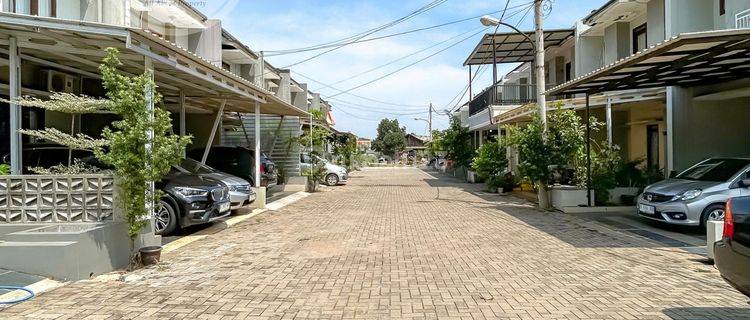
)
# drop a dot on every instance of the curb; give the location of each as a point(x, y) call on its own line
point(38, 288)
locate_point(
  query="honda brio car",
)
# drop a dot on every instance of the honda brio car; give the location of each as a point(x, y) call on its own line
point(697, 194)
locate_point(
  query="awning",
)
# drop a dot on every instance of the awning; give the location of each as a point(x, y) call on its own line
point(514, 47)
point(687, 60)
point(78, 47)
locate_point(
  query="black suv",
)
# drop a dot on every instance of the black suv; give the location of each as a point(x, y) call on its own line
point(238, 161)
point(190, 199)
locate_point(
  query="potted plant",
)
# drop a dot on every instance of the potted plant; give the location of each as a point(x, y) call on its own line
point(541, 153)
point(135, 165)
point(489, 164)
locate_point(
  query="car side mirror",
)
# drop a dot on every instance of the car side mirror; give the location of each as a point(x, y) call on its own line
point(745, 183)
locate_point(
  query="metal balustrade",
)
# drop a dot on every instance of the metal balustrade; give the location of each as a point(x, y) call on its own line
point(742, 19)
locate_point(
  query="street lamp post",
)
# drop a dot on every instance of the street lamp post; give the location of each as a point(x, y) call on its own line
point(539, 55)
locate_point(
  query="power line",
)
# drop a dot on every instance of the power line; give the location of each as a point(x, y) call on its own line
point(520, 21)
point(403, 57)
point(272, 53)
point(404, 67)
point(356, 95)
point(423, 9)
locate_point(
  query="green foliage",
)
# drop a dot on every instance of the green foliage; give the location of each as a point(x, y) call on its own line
point(77, 167)
point(319, 136)
point(634, 174)
point(605, 161)
point(435, 145)
point(78, 141)
point(391, 138)
point(456, 142)
point(134, 164)
point(66, 103)
point(565, 141)
point(506, 181)
point(490, 160)
point(4, 169)
point(345, 148)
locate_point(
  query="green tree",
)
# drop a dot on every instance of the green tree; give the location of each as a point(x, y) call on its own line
point(490, 160)
point(435, 145)
point(391, 138)
point(345, 148)
point(565, 140)
point(135, 165)
point(456, 142)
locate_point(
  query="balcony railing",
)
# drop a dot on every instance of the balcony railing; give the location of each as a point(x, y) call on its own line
point(503, 94)
point(507, 94)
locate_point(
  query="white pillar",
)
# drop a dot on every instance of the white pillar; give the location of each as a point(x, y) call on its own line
point(16, 144)
point(670, 131)
point(609, 121)
point(260, 193)
point(257, 144)
point(214, 128)
point(481, 137)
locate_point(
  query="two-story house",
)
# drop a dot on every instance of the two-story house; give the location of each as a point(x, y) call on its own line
point(694, 107)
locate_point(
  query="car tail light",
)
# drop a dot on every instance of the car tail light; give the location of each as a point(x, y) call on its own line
point(728, 221)
point(262, 168)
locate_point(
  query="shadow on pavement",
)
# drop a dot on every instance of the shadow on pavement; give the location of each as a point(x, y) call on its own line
point(577, 231)
point(716, 313)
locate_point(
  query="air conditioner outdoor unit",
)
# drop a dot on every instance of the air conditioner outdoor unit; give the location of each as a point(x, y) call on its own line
point(61, 82)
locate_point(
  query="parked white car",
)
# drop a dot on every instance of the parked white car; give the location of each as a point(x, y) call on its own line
point(335, 174)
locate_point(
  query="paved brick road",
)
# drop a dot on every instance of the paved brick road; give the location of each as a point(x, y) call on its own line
point(396, 243)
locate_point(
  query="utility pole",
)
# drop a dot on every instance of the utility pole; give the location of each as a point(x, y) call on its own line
point(429, 122)
point(539, 63)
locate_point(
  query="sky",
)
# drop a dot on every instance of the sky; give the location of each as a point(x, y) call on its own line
point(274, 25)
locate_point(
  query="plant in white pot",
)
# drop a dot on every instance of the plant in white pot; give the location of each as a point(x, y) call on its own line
point(489, 163)
point(539, 154)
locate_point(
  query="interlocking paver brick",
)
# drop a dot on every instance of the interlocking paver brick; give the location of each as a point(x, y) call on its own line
point(398, 243)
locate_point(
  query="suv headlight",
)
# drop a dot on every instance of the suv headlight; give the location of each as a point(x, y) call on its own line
point(690, 195)
point(188, 192)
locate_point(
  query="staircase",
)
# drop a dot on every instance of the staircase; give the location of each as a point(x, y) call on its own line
point(274, 132)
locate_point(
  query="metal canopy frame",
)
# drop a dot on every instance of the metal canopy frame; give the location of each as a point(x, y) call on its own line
point(511, 47)
point(686, 60)
point(79, 47)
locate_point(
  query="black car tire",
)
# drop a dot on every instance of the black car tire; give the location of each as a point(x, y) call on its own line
point(707, 212)
point(165, 219)
point(332, 179)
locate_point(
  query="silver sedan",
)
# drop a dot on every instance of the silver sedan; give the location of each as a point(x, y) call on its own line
point(697, 194)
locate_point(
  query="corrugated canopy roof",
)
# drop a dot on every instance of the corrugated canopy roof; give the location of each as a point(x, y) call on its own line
point(513, 47)
point(78, 47)
point(689, 59)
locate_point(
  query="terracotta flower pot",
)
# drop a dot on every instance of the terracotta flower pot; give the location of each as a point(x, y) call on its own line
point(150, 255)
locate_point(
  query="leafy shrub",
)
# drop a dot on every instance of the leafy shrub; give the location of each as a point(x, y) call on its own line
point(4, 169)
point(490, 160)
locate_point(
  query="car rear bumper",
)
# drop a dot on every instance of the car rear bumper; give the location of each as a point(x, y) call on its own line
point(732, 266)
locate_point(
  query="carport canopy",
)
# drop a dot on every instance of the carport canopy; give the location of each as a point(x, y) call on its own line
point(686, 60)
point(511, 47)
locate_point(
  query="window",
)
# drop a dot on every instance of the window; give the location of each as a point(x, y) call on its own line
point(722, 7)
point(640, 40)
